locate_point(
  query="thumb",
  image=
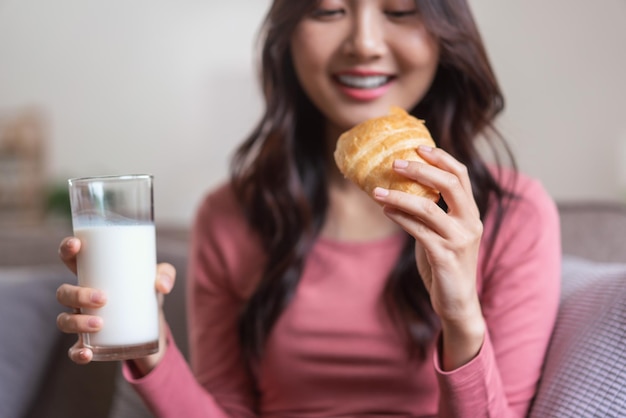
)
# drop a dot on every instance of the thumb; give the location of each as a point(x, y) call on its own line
point(166, 278)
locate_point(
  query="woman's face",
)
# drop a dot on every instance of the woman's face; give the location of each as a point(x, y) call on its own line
point(356, 58)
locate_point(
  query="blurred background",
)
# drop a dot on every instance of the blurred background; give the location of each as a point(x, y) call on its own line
point(169, 88)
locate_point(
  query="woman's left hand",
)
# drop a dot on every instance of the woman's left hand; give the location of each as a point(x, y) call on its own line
point(447, 244)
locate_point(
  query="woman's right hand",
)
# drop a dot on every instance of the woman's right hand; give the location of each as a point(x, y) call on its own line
point(78, 297)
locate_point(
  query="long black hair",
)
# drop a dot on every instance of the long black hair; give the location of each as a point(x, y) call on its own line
point(279, 172)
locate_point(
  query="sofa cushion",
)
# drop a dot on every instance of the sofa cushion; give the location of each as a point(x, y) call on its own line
point(28, 309)
point(585, 367)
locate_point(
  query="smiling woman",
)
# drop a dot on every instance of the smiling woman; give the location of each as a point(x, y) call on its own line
point(308, 297)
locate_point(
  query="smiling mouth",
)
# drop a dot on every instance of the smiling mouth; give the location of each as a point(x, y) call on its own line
point(363, 82)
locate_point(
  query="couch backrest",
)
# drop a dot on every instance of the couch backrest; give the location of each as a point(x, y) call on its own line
point(594, 230)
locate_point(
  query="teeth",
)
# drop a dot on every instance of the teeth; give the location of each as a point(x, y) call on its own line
point(360, 82)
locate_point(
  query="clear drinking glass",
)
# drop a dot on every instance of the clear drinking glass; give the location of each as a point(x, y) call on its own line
point(113, 216)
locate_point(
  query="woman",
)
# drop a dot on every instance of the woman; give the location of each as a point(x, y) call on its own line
point(306, 298)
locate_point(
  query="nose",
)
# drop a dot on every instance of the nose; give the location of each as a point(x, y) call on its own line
point(366, 39)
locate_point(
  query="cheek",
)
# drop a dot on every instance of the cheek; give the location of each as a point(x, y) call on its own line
point(420, 51)
point(305, 52)
point(431, 53)
point(314, 46)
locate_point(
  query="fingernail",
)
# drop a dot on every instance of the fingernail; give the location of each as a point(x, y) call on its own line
point(425, 148)
point(97, 296)
point(380, 192)
point(166, 280)
point(94, 322)
point(70, 242)
point(400, 164)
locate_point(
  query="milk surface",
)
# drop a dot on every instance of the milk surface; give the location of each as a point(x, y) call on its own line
point(121, 261)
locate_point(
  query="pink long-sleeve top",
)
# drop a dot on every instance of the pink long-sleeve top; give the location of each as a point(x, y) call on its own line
point(334, 351)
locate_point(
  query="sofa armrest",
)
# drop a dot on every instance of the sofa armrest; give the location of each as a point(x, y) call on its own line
point(36, 377)
point(585, 366)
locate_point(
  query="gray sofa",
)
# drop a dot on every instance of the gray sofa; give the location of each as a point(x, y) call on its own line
point(584, 373)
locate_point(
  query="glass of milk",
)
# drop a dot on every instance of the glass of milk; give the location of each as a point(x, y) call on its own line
point(113, 216)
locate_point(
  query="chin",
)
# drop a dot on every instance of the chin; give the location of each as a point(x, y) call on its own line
point(353, 115)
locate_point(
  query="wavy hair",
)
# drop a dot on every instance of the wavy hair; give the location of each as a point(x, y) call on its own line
point(279, 172)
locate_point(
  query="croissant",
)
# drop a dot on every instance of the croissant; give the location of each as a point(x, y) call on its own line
point(365, 153)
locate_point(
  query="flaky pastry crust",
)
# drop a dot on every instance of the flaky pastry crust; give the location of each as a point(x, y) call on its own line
point(365, 153)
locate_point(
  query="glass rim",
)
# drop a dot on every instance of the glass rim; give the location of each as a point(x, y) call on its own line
point(111, 177)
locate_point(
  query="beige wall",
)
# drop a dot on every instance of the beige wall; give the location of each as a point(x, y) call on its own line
point(168, 87)
point(561, 64)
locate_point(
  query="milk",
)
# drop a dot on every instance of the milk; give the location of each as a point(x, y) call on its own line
point(120, 260)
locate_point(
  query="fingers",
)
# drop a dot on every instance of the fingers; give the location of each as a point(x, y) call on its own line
point(421, 217)
point(75, 323)
point(418, 216)
point(68, 249)
point(441, 159)
point(166, 278)
point(77, 297)
point(443, 173)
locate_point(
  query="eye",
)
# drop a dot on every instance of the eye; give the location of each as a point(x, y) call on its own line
point(327, 14)
point(399, 14)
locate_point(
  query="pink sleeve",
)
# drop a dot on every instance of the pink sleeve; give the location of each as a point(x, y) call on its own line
point(519, 293)
point(171, 390)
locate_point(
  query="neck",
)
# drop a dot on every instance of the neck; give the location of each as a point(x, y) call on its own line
point(353, 215)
